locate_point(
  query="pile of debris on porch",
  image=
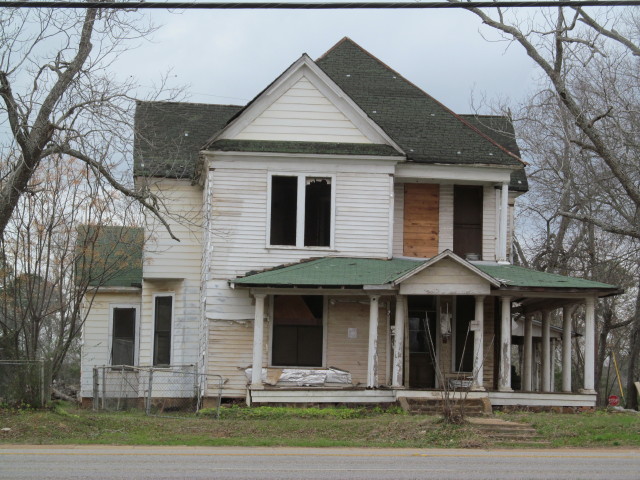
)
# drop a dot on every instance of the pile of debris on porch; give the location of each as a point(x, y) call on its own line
point(296, 377)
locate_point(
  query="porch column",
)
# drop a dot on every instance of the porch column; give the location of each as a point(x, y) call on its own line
point(552, 382)
point(504, 216)
point(258, 340)
point(567, 313)
point(546, 351)
point(372, 363)
point(504, 383)
point(398, 344)
point(589, 345)
point(478, 345)
point(528, 352)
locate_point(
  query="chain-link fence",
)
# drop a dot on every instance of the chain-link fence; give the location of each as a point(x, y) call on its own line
point(175, 389)
point(24, 383)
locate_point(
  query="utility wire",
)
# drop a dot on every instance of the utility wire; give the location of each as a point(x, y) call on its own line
point(315, 6)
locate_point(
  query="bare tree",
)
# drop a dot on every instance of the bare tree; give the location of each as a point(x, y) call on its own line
point(58, 97)
point(590, 69)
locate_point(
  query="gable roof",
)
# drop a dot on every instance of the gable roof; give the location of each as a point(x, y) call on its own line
point(424, 128)
point(169, 136)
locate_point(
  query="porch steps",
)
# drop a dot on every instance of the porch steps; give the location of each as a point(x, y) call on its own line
point(502, 431)
point(473, 407)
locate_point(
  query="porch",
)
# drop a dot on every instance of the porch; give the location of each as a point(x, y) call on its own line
point(428, 323)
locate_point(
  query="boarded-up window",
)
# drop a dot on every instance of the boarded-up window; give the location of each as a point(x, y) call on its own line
point(162, 330)
point(297, 331)
point(467, 220)
point(465, 311)
point(284, 200)
point(124, 336)
point(421, 219)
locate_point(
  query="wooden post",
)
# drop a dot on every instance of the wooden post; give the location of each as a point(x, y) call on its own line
point(528, 353)
point(478, 345)
point(567, 313)
point(398, 344)
point(372, 361)
point(546, 351)
point(258, 339)
point(504, 381)
point(589, 345)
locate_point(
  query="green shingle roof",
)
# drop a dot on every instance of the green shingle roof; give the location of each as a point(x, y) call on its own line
point(515, 276)
point(303, 147)
point(356, 272)
point(169, 136)
point(426, 130)
point(333, 272)
point(109, 256)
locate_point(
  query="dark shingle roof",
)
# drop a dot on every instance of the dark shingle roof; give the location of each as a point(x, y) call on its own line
point(500, 129)
point(303, 147)
point(109, 256)
point(424, 128)
point(169, 135)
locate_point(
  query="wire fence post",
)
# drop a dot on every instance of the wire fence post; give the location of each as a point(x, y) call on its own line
point(148, 409)
point(96, 389)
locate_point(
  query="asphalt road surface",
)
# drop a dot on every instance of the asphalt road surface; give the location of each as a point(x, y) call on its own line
point(105, 462)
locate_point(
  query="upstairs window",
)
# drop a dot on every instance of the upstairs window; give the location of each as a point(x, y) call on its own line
point(301, 211)
point(467, 221)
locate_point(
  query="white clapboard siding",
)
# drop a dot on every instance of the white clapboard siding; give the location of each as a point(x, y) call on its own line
point(446, 277)
point(302, 113)
point(489, 223)
point(95, 335)
point(351, 354)
point(445, 239)
point(398, 220)
point(230, 353)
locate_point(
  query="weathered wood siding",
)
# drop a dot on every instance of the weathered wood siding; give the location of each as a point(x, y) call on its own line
point(489, 224)
point(303, 113)
point(445, 238)
point(398, 219)
point(95, 335)
point(421, 219)
point(351, 354)
point(446, 277)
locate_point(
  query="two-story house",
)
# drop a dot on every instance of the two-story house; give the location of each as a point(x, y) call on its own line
point(344, 237)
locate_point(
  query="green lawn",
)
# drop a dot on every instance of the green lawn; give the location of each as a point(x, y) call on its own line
point(266, 426)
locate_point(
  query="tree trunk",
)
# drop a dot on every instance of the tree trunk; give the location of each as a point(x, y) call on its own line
point(634, 353)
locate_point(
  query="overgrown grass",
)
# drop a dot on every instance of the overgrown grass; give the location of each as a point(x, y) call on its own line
point(304, 427)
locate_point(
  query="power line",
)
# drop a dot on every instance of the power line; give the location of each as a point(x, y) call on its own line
point(316, 6)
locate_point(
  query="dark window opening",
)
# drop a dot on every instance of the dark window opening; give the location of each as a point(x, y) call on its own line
point(297, 331)
point(317, 212)
point(284, 204)
point(124, 336)
point(467, 221)
point(162, 331)
point(465, 312)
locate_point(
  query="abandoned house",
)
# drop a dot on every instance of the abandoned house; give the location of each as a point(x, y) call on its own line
point(343, 238)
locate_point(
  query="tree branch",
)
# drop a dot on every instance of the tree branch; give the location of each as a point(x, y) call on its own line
point(612, 34)
point(604, 226)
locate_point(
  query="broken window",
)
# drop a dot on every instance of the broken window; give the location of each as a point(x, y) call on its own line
point(124, 336)
point(297, 331)
point(162, 330)
point(300, 220)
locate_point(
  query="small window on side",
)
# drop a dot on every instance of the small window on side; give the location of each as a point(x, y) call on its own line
point(162, 330)
point(124, 336)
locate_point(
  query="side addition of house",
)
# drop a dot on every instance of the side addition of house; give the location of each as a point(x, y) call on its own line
point(344, 237)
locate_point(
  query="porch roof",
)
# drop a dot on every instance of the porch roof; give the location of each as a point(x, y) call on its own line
point(359, 272)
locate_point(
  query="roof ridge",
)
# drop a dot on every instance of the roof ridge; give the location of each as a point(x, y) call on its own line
point(169, 102)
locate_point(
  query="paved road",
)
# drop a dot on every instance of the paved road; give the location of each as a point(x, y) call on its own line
point(98, 462)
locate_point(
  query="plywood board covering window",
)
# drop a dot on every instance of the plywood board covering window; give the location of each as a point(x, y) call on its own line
point(421, 219)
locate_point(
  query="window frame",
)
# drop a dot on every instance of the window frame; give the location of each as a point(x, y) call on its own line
point(325, 316)
point(153, 327)
point(136, 343)
point(300, 209)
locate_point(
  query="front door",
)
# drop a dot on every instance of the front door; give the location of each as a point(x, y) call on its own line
point(422, 342)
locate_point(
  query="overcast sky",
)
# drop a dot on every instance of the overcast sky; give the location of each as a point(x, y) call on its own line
point(228, 57)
